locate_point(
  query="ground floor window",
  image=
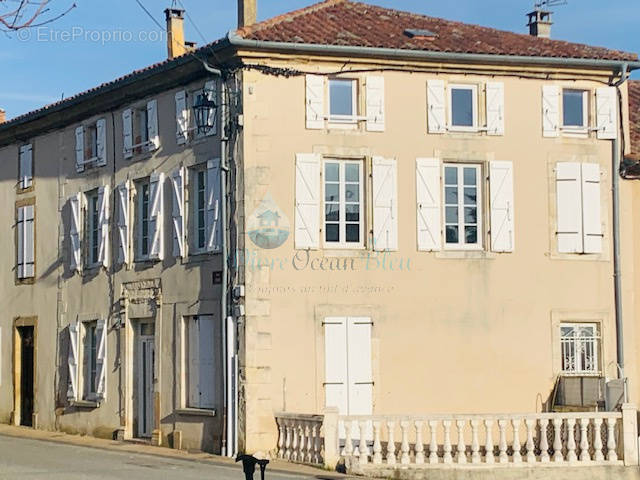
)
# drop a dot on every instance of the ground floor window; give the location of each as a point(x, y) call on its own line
point(199, 361)
point(89, 360)
point(580, 344)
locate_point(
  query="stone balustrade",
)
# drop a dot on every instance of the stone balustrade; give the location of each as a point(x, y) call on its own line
point(299, 438)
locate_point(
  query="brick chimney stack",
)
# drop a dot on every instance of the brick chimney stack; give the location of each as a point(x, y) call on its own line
point(540, 23)
point(175, 32)
point(247, 13)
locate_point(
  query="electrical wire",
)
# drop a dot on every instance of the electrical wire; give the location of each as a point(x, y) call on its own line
point(149, 14)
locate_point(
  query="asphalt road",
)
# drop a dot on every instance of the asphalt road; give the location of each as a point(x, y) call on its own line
point(35, 459)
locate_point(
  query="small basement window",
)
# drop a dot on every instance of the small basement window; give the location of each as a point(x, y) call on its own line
point(343, 97)
point(463, 102)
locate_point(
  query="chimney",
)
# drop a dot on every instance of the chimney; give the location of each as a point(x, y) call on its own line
point(175, 32)
point(247, 13)
point(3, 116)
point(540, 23)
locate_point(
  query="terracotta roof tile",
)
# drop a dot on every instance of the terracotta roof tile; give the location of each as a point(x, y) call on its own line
point(634, 117)
point(342, 22)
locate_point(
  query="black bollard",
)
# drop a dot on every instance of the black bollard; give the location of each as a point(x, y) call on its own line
point(249, 466)
point(263, 466)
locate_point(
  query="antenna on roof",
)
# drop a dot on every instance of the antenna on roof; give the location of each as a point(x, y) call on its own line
point(549, 3)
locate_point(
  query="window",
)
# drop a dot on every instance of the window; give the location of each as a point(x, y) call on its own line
point(25, 242)
point(343, 203)
point(142, 122)
point(25, 167)
point(200, 210)
point(462, 218)
point(89, 359)
point(463, 111)
point(580, 343)
point(91, 145)
point(575, 109)
point(144, 237)
point(93, 228)
point(343, 98)
point(199, 361)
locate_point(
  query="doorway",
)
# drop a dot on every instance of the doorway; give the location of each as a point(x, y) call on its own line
point(144, 379)
point(24, 373)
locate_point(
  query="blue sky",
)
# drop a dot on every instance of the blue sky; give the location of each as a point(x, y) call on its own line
point(70, 56)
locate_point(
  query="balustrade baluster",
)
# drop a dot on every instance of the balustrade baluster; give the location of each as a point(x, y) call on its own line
point(571, 440)
point(294, 443)
point(461, 447)
point(377, 446)
point(502, 425)
point(404, 445)
point(306, 428)
point(281, 436)
point(612, 456)
point(315, 455)
point(348, 442)
point(531, 454)
point(363, 449)
point(475, 443)
point(517, 447)
point(597, 440)
point(488, 444)
point(447, 442)
point(391, 444)
point(419, 447)
point(557, 440)
point(433, 444)
point(585, 456)
point(544, 442)
point(289, 440)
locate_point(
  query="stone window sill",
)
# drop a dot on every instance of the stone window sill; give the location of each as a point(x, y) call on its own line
point(196, 412)
point(85, 404)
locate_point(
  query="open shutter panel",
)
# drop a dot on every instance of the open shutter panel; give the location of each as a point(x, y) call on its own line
point(101, 359)
point(104, 200)
point(495, 108)
point(156, 217)
point(307, 214)
point(152, 125)
point(123, 194)
point(214, 223)
point(315, 102)
point(375, 104)
point(80, 149)
point(26, 166)
point(591, 215)
point(29, 242)
point(127, 133)
point(207, 365)
point(436, 102)
point(385, 204)
point(211, 90)
point(360, 376)
point(72, 362)
point(101, 142)
point(177, 183)
point(20, 232)
point(551, 111)
point(502, 220)
point(194, 361)
point(569, 207)
point(428, 204)
point(182, 120)
point(335, 355)
point(607, 113)
point(75, 233)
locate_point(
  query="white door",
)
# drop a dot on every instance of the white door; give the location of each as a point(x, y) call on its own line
point(145, 379)
point(348, 375)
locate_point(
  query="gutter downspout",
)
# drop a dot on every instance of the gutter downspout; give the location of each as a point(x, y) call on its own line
point(617, 277)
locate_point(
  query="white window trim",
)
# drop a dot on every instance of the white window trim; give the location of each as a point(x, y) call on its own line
point(347, 122)
point(597, 338)
point(576, 131)
point(91, 395)
point(461, 86)
point(479, 199)
point(342, 215)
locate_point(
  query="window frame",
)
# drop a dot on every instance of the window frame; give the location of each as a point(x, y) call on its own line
point(343, 121)
point(187, 381)
point(89, 372)
point(576, 130)
point(140, 185)
point(90, 143)
point(474, 105)
point(31, 180)
point(196, 225)
point(23, 204)
point(342, 243)
point(479, 246)
point(92, 223)
point(595, 338)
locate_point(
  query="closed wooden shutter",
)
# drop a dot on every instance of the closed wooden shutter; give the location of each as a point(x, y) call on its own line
point(335, 354)
point(307, 215)
point(502, 211)
point(591, 215)
point(177, 183)
point(360, 376)
point(75, 232)
point(182, 119)
point(26, 166)
point(428, 204)
point(72, 362)
point(104, 201)
point(214, 204)
point(385, 204)
point(124, 200)
point(315, 102)
point(375, 104)
point(569, 207)
point(551, 111)
point(101, 359)
point(80, 149)
point(101, 142)
point(607, 113)
point(436, 106)
point(25, 242)
point(495, 108)
point(206, 361)
point(127, 133)
point(152, 125)
point(156, 216)
point(193, 332)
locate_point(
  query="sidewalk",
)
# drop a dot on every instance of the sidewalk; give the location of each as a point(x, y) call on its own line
point(136, 448)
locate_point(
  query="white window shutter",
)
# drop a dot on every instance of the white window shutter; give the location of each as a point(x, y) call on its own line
point(307, 214)
point(124, 200)
point(502, 212)
point(591, 215)
point(194, 361)
point(152, 125)
point(359, 366)
point(26, 166)
point(607, 113)
point(182, 118)
point(315, 102)
point(207, 365)
point(214, 199)
point(156, 216)
point(177, 184)
point(104, 201)
point(127, 133)
point(101, 143)
point(436, 106)
point(428, 204)
point(495, 108)
point(75, 232)
point(29, 242)
point(80, 149)
point(335, 358)
point(72, 362)
point(569, 207)
point(20, 232)
point(101, 359)
point(551, 111)
point(385, 204)
point(211, 90)
point(375, 104)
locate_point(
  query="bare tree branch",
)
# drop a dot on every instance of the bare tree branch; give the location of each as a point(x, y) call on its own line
point(19, 14)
